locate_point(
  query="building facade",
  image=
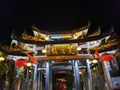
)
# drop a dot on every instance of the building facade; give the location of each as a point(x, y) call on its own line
point(65, 60)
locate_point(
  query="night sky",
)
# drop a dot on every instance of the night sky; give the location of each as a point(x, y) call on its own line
point(56, 15)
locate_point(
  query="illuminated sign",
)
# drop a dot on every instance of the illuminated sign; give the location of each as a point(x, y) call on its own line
point(62, 49)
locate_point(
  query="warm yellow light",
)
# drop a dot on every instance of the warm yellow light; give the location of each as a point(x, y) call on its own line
point(80, 73)
point(94, 68)
point(75, 37)
point(47, 38)
point(67, 36)
point(44, 50)
point(30, 70)
point(78, 48)
point(2, 58)
point(94, 61)
point(29, 64)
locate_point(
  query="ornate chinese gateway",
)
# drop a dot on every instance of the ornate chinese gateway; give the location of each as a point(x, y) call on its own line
point(61, 54)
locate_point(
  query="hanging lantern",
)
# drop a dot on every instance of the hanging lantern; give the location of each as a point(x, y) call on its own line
point(97, 53)
point(21, 62)
point(107, 57)
point(32, 58)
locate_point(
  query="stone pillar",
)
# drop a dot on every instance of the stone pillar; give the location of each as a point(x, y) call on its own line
point(47, 79)
point(107, 76)
point(35, 78)
point(39, 80)
point(77, 76)
point(89, 76)
point(50, 77)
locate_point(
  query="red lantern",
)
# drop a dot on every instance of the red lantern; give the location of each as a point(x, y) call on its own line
point(21, 62)
point(107, 57)
point(97, 53)
point(32, 58)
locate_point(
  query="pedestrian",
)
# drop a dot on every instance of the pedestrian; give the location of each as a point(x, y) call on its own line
point(117, 86)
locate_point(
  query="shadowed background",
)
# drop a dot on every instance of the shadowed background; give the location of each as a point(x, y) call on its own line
point(56, 15)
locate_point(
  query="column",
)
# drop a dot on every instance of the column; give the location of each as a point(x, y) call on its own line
point(35, 78)
point(47, 79)
point(50, 77)
point(77, 76)
point(39, 80)
point(89, 76)
point(27, 78)
point(107, 76)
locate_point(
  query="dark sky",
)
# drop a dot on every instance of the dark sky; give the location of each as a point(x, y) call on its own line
point(56, 15)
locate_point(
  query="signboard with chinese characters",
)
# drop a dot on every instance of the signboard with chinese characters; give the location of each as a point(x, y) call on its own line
point(61, 49)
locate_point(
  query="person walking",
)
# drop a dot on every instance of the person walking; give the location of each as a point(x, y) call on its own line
point(117, 86)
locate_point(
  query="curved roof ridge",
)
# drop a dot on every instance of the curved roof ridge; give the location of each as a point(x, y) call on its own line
point(62, 41)
point(14, 50)
point(34, 27)
point(97, 32)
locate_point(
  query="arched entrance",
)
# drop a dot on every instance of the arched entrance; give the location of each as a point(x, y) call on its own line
point(64, 75)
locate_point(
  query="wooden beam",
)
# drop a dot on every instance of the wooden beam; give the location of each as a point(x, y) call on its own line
point(74, 57)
